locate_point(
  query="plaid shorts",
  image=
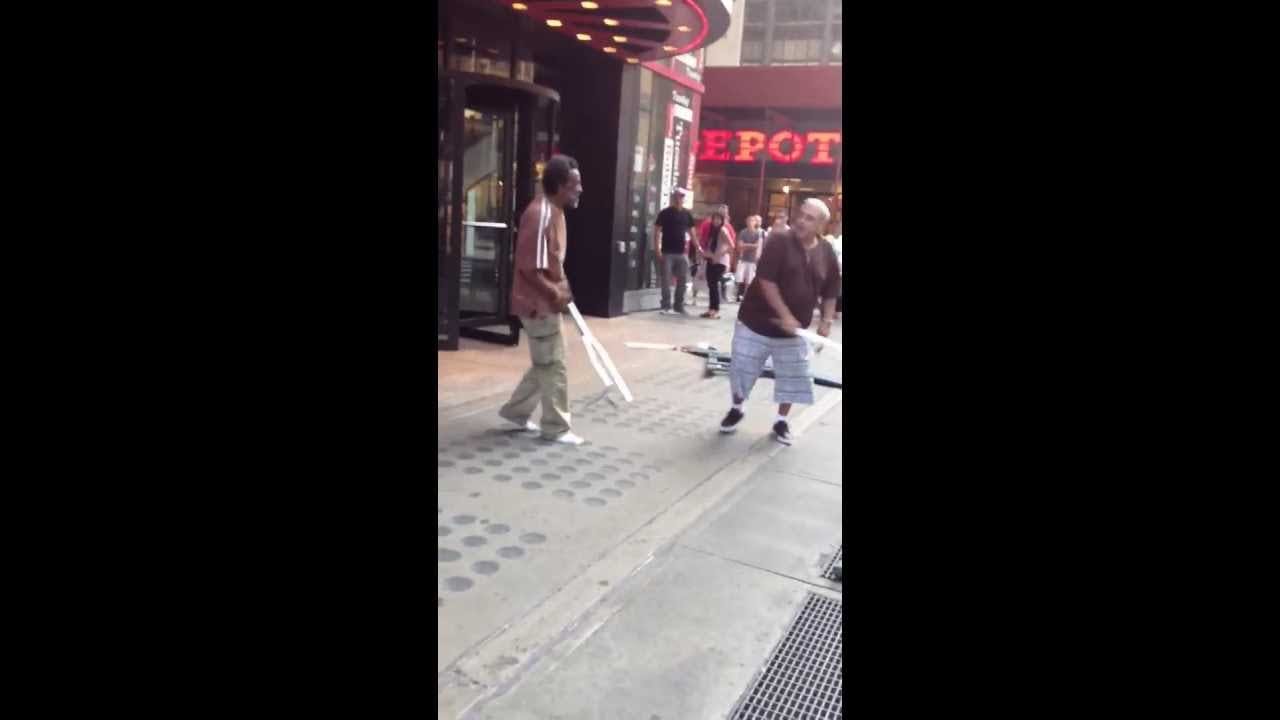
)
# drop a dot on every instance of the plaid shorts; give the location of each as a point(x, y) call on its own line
point(793, 377)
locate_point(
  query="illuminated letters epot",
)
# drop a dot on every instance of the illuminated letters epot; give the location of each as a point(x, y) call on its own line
point(785, 146)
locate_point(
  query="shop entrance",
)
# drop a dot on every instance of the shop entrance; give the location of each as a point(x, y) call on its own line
point(495, 133)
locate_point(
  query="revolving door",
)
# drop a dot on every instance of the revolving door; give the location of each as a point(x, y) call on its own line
point(495, 135)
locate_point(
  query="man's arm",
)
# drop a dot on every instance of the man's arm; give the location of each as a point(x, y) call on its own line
point(828, 315)
point(657, 241)
point(539, 279)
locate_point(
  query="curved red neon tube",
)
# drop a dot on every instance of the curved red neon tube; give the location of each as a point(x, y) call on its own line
point(702, 33)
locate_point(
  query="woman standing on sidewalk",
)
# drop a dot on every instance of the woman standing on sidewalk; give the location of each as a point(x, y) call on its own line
point(718, 249)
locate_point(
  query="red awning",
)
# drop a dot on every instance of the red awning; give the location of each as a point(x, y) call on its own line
point(774, 86)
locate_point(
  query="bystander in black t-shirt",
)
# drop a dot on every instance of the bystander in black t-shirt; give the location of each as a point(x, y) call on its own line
point(674, 222)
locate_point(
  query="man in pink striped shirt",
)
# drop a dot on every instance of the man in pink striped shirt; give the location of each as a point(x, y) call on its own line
point(539, 294)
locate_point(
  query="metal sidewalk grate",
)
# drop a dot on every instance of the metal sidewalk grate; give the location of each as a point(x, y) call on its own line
point(803, 678)
point(836, 561)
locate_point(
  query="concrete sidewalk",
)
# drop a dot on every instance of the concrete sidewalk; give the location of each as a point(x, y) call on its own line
point(644, 574)
point(684, 634)
point(480, 371)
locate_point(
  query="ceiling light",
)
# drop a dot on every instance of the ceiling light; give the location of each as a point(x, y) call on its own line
point(610, 22)
point(683, 28)
point(663, 3)
point(610, 49)
point(670, 48)
point(554, 23)
point(619, 38)
point(633, 61)
point(583, 36)
point(587, 5)
point(519, 6)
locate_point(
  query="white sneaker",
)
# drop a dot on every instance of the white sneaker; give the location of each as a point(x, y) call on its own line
point(527, 426)
point(667, 312)
point(570, 439)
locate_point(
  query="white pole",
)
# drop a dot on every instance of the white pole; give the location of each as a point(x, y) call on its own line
point(594, 348)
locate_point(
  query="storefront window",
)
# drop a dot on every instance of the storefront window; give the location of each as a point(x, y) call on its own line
point(753, 39)
point(797, 43)
point(651, 171)
point(479, 46)
point(788, 11)
point(756, 11)
point(646, 89)
point(791, 32)
point(444, 248)
point(754, 34)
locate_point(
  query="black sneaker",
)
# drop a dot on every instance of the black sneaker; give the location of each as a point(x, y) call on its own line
point(730, 422)
point(781, 432)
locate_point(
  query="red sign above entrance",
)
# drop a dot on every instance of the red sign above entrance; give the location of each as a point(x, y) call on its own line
point(785, 146)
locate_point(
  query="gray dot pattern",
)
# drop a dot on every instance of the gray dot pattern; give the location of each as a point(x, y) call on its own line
point(591, 475)
point(473, 557)
point(671, 403)
point(653, 417)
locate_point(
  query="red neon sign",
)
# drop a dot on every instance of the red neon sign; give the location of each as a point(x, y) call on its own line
point(785, 146)
point(775, 146)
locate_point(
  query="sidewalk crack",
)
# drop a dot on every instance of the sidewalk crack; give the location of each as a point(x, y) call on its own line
point(764, 569)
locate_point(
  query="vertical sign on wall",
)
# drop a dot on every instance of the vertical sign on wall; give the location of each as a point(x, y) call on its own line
point(668, 155)
point(680, 126)
point(696, 111)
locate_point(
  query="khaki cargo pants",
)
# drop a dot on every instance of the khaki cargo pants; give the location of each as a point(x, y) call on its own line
point(546, 382)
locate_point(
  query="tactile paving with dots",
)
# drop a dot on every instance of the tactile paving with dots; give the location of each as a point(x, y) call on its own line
point(593, 475)
point(803, 677)
point(651, 416)
point(468, 549)
point(691, 380)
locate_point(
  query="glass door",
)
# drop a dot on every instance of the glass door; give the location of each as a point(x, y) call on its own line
point(487, 199)
point(446, 254)
point(493, 133)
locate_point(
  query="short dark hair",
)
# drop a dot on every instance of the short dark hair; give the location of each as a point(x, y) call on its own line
point(556, 173)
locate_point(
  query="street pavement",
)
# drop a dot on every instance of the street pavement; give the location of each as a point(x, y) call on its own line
point(645, 574)
point(480, 371)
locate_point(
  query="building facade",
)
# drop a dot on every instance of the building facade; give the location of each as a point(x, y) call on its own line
point(616, 84)
point(771, 130)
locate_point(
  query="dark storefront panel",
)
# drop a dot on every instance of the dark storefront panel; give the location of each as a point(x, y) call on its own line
point(591, 90)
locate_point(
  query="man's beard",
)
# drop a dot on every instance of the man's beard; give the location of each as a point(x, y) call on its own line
point(574, 203)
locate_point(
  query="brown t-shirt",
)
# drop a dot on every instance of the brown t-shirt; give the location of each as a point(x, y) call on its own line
point(802, 276)
point(529, 299)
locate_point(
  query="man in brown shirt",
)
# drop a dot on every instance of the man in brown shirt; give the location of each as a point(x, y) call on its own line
point(539, 294)
point(797, 269)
